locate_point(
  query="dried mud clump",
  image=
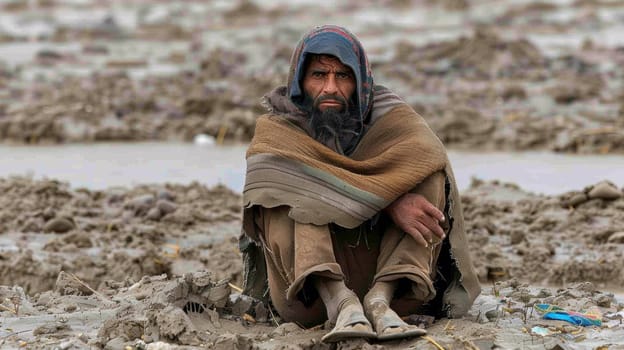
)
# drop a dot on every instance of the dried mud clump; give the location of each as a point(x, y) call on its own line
point(597, 140)
point(215, 98)
point(117, 234)
point(28, 205)
point(558, 239)
point(28, 271)
point(166, 309)
point(483, 55)
point(573, 89)
point(462, 124)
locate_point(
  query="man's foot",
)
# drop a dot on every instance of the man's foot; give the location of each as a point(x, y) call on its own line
point(351, 323)
point(388, 325)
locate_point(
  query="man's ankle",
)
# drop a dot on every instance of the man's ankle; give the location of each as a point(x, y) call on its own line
point(381, 291)
point(335, 295)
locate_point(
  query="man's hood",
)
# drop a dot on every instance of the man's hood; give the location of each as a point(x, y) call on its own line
point(339, 42)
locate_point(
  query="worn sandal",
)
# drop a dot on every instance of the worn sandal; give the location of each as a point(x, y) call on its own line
point(351, 323)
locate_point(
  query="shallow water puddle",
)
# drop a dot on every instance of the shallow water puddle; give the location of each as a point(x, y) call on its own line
point(103, 165)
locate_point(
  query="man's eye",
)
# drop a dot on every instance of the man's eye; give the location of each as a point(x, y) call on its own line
point(340, 75)
point(318, 74)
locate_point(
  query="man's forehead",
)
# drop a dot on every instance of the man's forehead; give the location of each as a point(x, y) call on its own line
point(327, 61)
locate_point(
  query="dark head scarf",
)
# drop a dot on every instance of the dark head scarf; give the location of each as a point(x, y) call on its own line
point(340, 43)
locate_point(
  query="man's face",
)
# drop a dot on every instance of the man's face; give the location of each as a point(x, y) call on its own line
point(329, 83)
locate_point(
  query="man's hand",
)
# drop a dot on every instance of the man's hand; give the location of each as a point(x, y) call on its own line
point(415, 215)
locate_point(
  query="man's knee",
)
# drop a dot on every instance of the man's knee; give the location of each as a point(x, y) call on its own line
point(433, 188)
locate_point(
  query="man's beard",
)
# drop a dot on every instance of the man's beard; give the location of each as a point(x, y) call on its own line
point(332, 126)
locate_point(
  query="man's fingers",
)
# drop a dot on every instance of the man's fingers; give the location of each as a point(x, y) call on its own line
point(418, 237)
point(424, 232)
point(431, 209)
point(437, 230)
point(434, 212)
point(432, 225)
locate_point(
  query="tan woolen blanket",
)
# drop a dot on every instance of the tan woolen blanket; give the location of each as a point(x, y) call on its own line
point(287, 167)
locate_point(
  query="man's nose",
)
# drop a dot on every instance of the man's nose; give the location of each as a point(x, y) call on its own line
point(330, 86)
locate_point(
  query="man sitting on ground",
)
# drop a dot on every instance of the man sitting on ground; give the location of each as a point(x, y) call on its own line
point(351, 209)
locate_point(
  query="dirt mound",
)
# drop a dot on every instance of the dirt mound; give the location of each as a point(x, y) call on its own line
point(462, 124)
point(483, 55)
point(114, 107)
point(547, 240)
point(119, 234)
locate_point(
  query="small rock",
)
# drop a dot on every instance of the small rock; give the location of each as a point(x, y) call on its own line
point(173, 323)
point(516, 237)
point(491, 315)
point(32, 225)
point(166, 206)
point(232, 341)
point(67, 285)
point(154, 214)
point(45, 298)
point(161, 346)
point(93, 49)
point(115, 195)
point(144, 230)
point(587, 287)
point(576, 200)
point(66, 345)
point(140, 204)
point(59, 225)
point(115, 344)
point(604, 300)
point(423, 321)
point(83, 338)
point(262, 314)
point(241, 304)
point(485, 343)
point(616, 237)
point(139, 345)
point(514, 92)
point(286, 328)
point(604, 190)
point(543, 293)
point(166, 195)
point(48, 213)
point(49, 54)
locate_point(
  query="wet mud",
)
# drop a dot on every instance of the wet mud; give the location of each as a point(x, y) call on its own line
point(526, 77)
point(117, 235)
point(158, 267)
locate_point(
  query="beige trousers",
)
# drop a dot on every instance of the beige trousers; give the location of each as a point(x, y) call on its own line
point(360, 256)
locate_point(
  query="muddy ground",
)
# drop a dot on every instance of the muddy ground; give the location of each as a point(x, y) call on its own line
point(505, 75)
point(136, 266)
point(158, 267)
